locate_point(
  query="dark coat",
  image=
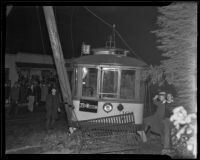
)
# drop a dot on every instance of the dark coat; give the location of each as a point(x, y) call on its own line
point(169, 109)
point(38, 93)
point(14, 94)
point(160, 112)
point(52, 104)
point(31, 92)
point(22, 93)
point(155, 121)
point(7, 92)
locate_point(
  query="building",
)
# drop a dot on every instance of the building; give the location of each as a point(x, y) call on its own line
point(29, 65)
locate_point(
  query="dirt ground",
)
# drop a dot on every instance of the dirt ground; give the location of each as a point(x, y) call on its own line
point(31, 137)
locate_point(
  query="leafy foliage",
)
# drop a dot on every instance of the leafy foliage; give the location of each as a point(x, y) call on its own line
point(184, 132)
point(177, 39)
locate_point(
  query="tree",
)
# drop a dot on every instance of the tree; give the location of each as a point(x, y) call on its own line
point(177, 38)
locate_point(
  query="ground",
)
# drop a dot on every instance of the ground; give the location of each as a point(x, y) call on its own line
point(26, 133)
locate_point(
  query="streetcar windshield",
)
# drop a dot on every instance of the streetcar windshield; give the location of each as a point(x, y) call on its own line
point(127, 87)
point(75, 83)
point(89, 82)
point(109, 83)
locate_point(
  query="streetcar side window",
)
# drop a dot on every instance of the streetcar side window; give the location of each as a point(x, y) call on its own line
point(75, 83)
point(89, 82)
point(109, 83)
point(127, 88)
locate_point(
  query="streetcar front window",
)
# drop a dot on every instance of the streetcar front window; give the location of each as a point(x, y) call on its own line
point(127, 90)
point(109, 83)
point(75, 83)
point(89, 82)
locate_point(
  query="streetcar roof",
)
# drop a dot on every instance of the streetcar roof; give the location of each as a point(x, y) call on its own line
point(109, 59)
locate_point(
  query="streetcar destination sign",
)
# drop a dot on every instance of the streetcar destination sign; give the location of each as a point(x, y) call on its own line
point(88, 106)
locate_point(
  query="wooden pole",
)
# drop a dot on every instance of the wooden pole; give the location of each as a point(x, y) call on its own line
point(59, 59)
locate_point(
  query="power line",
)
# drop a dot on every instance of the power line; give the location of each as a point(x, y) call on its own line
point(108, 24)
point(98, 17)
point(72, 32)
point(38, 16)
point(128, 46)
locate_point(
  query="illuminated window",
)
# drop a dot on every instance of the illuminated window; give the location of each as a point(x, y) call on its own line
point(89, 82)
point(127, 90)
point(75, 81)
point(109, 83)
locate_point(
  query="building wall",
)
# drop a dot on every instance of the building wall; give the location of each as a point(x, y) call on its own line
point(34, 58)
point(11, 59)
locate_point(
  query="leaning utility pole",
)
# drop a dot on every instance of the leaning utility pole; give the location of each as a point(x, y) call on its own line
point(59, 59)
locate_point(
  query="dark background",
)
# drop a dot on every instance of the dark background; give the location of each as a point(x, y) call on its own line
point(26, 29)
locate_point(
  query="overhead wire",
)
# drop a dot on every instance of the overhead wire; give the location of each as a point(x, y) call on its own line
point(38, 17)
point(108, 24)
point(72, 32)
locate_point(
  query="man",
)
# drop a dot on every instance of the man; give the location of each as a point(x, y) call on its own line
point(153, 123)
point(44, 92)
point(31, 97)
point(37, 92)
point(7, 93)
point(14, 97)
point(52, 105)
point(169, 106)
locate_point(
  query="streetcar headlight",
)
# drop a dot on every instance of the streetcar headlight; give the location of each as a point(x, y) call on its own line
point(107, 107)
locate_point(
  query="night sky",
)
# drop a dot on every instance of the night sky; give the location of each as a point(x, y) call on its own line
point(26, 29)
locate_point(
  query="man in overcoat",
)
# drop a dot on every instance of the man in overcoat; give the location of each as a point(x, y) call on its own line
point(154, 123)
point(14, 98)
point(169, 106)
point(52, 105)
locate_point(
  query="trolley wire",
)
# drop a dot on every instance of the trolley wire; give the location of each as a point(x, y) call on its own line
point(108, 24)
point(72, 32)
point(38, 17)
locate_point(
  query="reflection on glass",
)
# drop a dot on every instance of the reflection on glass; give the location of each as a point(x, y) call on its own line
point(89, 82)
point(109, 83)
point(75, 86)
point(127, 90)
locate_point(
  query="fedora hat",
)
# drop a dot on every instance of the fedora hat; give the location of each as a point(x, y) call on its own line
point(162, 93)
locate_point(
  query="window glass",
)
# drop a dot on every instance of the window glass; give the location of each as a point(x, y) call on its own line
point(142, 90)
point(75, 81)
point(109, 83)
point(89, 82)
point(127, 90)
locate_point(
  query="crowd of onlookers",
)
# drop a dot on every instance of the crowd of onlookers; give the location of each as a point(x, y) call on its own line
point(29, 91)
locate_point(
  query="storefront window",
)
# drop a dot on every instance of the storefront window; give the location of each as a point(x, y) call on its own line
point(109, 83)
point(89, 82)
point(127, 90)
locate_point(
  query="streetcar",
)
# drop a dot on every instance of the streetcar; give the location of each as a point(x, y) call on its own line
point(107, 82)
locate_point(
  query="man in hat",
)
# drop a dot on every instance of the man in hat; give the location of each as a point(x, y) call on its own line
point(14, 98)
point(169, 106)
point(52, 105)
point(154, 123)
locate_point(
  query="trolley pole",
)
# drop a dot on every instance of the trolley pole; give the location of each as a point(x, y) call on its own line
point(59, 59)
